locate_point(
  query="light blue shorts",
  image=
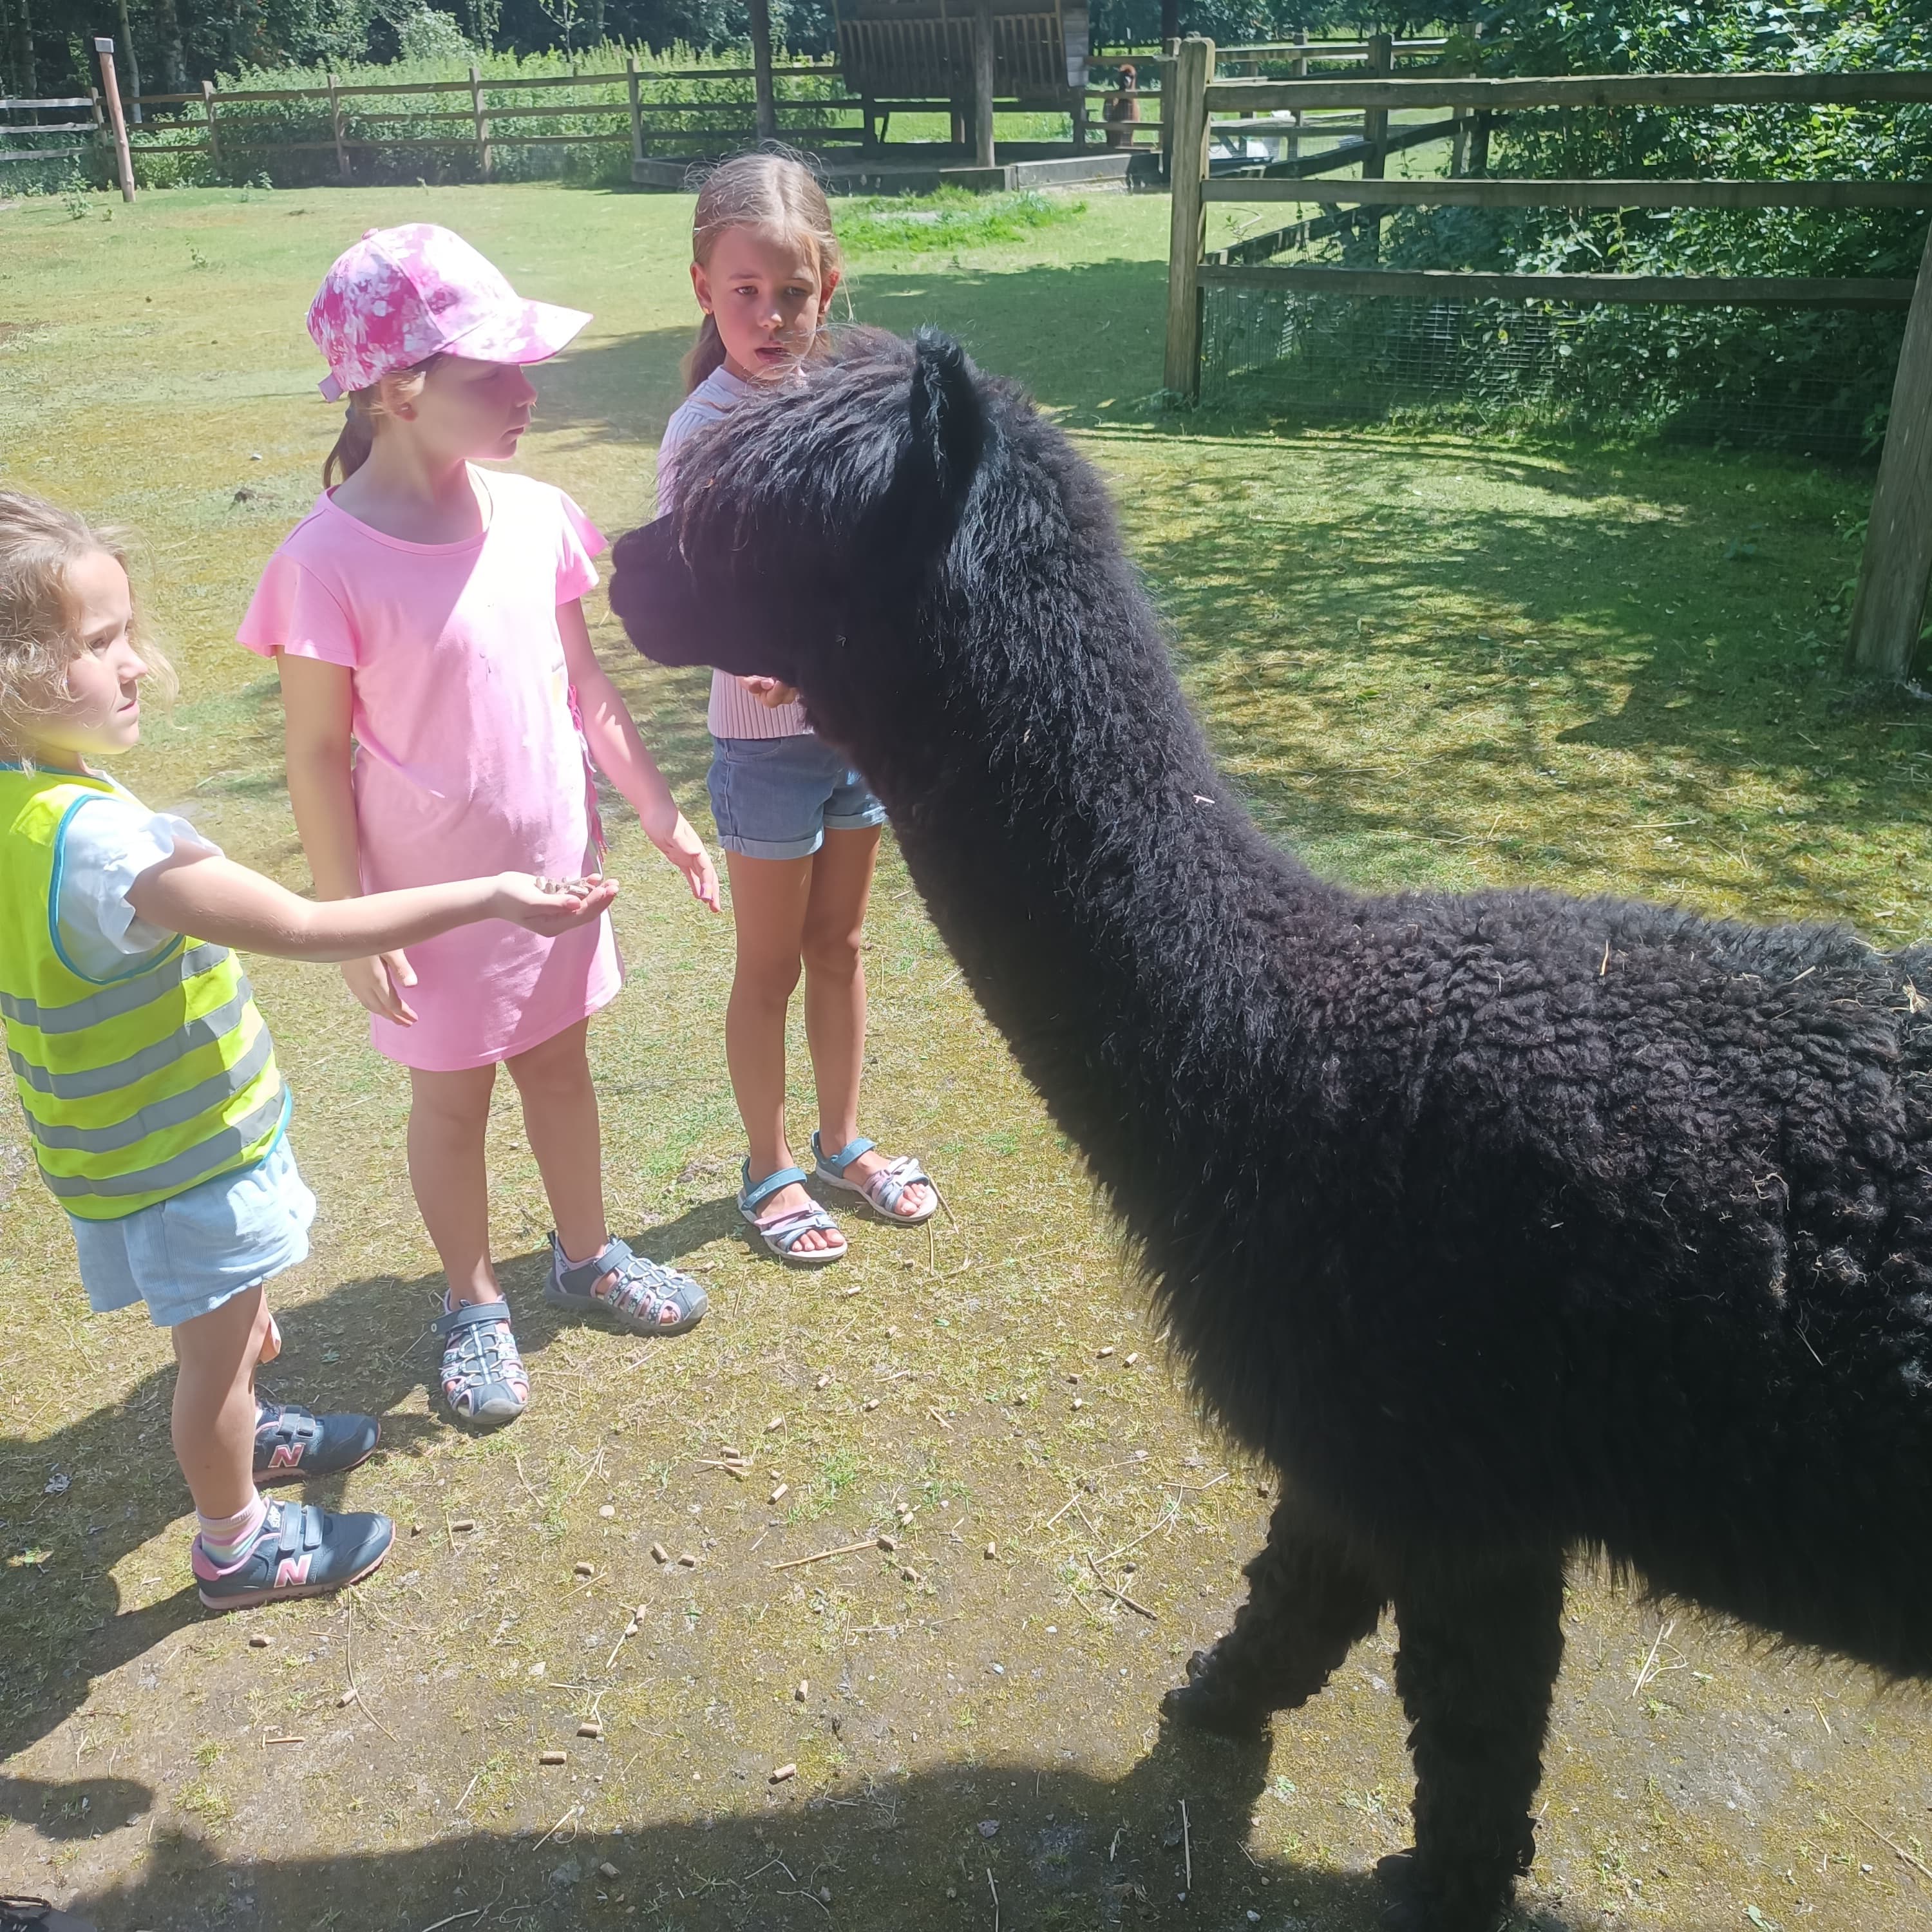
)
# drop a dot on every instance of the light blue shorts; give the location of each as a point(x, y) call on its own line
point(187, 1256)
point(776, 798)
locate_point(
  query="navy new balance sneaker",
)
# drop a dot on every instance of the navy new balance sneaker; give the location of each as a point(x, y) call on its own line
point(299, 1551)
point(293, 1444)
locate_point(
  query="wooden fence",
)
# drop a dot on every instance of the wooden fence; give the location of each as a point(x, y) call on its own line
point(14, 128)
point(1896, 567)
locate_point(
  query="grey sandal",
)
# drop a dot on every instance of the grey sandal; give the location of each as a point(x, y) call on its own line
point(783, 1230)
point(483, 1379)
point(885, 1189)
point(646, 1297)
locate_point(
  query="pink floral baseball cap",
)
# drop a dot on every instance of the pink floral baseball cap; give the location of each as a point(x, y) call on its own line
point(403, 295)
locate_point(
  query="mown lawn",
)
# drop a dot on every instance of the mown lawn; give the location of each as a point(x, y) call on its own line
point(1424, 657)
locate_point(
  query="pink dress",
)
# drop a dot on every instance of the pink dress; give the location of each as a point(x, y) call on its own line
point(469, 759)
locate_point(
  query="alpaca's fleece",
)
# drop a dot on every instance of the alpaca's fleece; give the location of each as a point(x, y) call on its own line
point(1502, 1223)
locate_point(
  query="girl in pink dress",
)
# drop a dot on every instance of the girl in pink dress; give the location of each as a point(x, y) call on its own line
point(443, 703)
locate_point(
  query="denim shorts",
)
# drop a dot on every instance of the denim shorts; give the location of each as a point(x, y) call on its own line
point(187, 1256)
point(776, 798)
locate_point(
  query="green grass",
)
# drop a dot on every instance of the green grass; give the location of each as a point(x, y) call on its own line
point(949, 221)
point(1422, 656)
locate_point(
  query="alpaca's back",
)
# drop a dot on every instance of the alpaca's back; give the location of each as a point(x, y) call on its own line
point(1594, 1219)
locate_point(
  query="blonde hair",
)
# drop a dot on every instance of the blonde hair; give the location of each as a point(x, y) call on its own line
point(40, 625)
point(774, 191)
point(357, 437)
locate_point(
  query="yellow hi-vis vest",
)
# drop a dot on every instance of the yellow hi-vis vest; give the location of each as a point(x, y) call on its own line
point(136, 1087)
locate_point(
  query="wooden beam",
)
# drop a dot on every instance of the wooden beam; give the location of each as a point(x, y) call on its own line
point(1604, 90)
point(1889, 606)
point(985, 66)
point(1194, 62)
point(1644, 193)
point(1456, 285)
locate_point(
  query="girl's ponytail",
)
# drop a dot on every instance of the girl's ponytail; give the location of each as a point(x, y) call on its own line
point(352, 446)
point(358, 437)
point(705, 354)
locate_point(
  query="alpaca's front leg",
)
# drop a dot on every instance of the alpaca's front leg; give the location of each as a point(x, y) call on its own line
point(1478, 1658)
point(1309, 1601)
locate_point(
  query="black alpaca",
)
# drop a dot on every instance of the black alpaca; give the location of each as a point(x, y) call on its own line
point(1503, 1225)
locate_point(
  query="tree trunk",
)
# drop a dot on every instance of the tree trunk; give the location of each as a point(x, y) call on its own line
point(167, 30)
point(26, 79)
point(761, 70)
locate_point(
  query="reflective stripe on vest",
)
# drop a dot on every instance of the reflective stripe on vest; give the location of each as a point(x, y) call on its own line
point(201, 1162)
point(138, 1086)
point(123, 996)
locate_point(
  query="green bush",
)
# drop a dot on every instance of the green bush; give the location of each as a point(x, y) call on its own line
point(1825, 362)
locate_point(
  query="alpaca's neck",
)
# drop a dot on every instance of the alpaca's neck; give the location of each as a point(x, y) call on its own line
point(1115, 911)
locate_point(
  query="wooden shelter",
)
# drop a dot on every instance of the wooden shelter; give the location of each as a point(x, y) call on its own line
point(919, 51)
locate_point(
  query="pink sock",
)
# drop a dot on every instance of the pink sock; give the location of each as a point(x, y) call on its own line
point(225, 1537)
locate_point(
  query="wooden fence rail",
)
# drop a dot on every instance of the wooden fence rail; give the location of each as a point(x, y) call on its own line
point(1893, 582)
point(489, 120)
point(12, 129)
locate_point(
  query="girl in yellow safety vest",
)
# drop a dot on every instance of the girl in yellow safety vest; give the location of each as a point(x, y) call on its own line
point(153, 1104)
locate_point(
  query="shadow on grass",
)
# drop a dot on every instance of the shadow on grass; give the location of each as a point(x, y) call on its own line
point(1007, 1841)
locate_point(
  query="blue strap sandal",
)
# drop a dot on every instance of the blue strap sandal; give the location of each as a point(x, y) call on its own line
point(884, 1188)
point(484, 1378)
point(646, 1297)
point(782, 1230)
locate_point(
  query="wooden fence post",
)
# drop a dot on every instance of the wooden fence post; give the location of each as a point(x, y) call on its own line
point(1479, 142)
point(1170, 50)
point(1375, 130)
point(208, 115)
point(124, 162)
point(484, 160)
point(1187, 115)
point(637, 110)
point(335, 127)
point(1890, 604)
point(1300, 72)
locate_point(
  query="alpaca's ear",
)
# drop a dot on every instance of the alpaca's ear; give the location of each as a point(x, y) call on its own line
point(948, 422)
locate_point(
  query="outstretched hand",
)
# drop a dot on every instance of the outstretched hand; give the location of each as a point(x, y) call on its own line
point(551, 906)
point(685, 850)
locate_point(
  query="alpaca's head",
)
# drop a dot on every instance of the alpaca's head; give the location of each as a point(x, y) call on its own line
point(894, 536)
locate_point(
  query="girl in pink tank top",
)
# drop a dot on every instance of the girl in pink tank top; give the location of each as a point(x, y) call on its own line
point(444, 706)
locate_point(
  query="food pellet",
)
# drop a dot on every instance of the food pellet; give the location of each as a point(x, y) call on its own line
point(776, 1422)
point(689, 1561)
point(258, 1641)
point(992, 1550)
point(784, 1771)
point(779, 1492)
point(659, 1554)
point(586, 1570)
point(804, 1690)
point(607, 1510)
point(1101, 1354)
point(1130, 1360)
point(822, 1382)
point(888, 1543)
point(590, 1728)
point(553, 1757)
point(871, 1404)
point(464, 1523)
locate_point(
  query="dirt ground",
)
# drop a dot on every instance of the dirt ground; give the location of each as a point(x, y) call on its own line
point(967, 1719)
